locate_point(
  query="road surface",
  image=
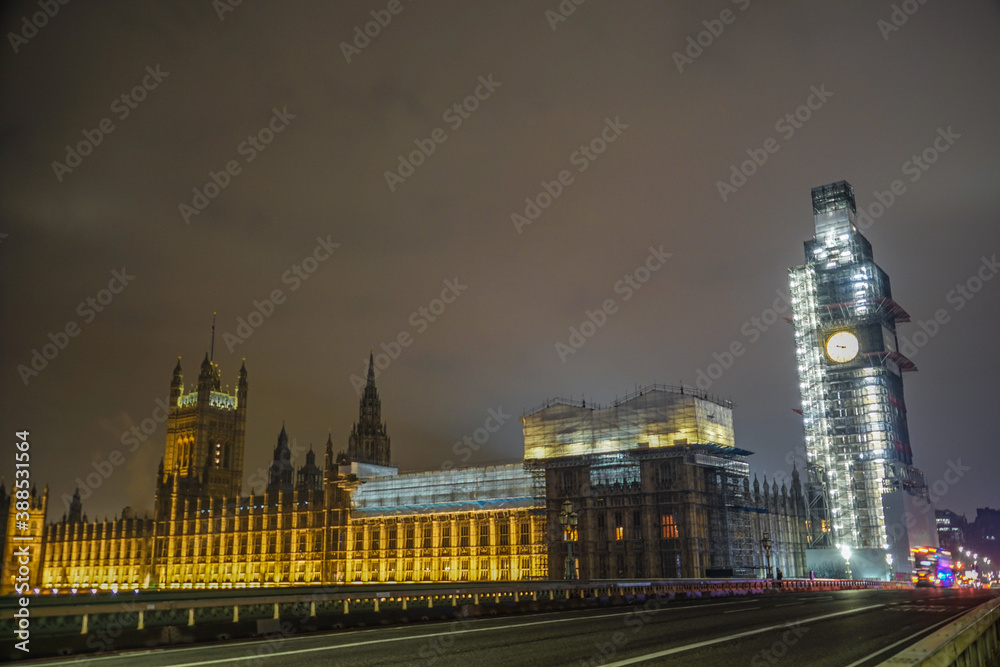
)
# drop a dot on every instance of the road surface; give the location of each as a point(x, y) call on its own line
point(839, 628)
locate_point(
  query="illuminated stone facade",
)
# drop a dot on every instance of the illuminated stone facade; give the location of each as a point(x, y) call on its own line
point(22, 524)
point(661, 490)
point(352, 519)
point(473, 524)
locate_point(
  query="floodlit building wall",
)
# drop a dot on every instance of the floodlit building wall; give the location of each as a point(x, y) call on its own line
point(472, 524)
point(100, 555)
point(485, 545)
point(22, 514)
point(274, 539)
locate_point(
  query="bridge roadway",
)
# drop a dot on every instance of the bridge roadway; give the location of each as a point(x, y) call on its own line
point(837, 628)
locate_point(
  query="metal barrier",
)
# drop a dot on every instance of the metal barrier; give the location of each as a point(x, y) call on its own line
point(143, 618)
point(970, 641)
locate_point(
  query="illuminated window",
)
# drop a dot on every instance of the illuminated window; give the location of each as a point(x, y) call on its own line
point(667, 527)
point(463, 535)
point(619, 533)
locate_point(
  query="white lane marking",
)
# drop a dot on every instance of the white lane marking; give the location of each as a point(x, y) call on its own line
point(740, 611)
point(788, 604)
point(748, 633)
point(920, 632)
point(421, 636)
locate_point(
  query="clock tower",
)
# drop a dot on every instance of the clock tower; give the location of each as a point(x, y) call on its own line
point(859, 463)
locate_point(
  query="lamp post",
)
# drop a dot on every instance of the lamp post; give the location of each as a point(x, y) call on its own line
point(568, 519)
point(765, 541)
point(845, 551)
point(888, 561)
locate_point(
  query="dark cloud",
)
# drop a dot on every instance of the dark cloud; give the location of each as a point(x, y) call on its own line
point(323, 176)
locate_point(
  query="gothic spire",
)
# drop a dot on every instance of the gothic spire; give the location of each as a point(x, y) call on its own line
point(368, 442)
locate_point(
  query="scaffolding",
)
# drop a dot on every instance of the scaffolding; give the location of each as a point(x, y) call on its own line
point(731, 536)
point(505, 486)
point(654, 416)
point(853, 413)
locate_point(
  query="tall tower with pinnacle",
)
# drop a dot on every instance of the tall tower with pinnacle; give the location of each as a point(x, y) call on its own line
point(206, 434)
point(368, 442)
point(851, 382)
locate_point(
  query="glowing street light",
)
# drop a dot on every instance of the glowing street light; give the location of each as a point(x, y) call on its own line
point(845, 551)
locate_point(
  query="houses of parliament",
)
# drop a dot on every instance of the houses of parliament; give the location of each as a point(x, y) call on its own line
point(658, 486)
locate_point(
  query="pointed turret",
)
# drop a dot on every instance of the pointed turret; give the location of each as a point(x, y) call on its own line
point(206, 379)
point(329, 451)
point(177, 384)
point(309, 477)
point(242, 389)
point(280, 474)
point(368, 442)
point(76, 508)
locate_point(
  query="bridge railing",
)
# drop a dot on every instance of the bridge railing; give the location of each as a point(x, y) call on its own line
point(79, 613)
point(101, 622)
point(972, 640)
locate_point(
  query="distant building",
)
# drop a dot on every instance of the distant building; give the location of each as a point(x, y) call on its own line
point(952, 529)
point(987, 526)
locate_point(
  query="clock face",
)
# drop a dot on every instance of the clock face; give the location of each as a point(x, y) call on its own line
point(842, 346)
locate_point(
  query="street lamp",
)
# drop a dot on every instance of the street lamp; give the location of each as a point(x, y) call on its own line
point(845, 551)
point(568, 519)
point(765, 541)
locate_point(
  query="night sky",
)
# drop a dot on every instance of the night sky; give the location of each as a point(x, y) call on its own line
point(608, 119)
